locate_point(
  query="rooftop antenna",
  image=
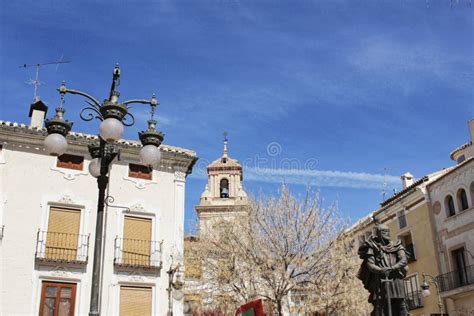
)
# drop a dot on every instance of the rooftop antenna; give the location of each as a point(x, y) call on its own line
point(384, 185)
point(36, 82)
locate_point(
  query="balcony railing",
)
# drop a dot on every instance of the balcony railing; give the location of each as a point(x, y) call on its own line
point(62, 247)
point(414, 300)
point(455, 279)
point(137, 253)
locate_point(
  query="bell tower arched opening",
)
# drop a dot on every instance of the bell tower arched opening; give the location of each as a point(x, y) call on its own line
point(224, 188)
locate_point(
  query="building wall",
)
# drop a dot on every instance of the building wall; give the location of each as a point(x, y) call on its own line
point(455, 231)
point(31, 183)
point(418, 225)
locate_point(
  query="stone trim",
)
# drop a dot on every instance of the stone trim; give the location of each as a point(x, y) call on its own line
point(32, 137)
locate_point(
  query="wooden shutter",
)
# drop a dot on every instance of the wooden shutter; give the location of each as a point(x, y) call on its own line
point(136, 243)
point(140, 171)
point(135, 301)
point(70, 162)
point(63, 230)
point(62, 220)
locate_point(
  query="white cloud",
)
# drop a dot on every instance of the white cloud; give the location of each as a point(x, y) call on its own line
point(400, 62)
point(141, 117)
point(319, 178)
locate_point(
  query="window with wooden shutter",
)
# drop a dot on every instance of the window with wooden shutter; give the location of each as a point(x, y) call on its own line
point(140, 171)
point(136, 240)
point(70, 162)
point(63, 233)
point(135, 301)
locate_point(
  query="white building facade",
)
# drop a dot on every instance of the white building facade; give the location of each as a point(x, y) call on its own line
point(48, 208)
point(452, 199)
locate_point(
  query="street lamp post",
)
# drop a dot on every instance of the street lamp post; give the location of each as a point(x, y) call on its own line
point(113, 116)
point(174, 287)
point(425, 290)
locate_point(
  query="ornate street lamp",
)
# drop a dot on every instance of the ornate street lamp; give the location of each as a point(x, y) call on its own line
point(175, 286)
point(425, 290)
point(113, 116)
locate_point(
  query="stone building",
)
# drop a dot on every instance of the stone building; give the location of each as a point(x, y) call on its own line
point(434, 218)
point(452, 200)
point(222, 200)
point(408, 216)
point(48, 209)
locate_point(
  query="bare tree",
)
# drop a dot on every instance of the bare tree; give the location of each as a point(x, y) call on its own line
point(340, 292)
point(282, 245)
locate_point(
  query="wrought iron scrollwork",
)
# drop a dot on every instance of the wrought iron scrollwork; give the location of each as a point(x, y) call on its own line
point(126, 120)
point(109, 199)
point(87, 113)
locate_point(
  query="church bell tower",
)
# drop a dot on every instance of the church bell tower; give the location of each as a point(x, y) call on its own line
point(224, 196)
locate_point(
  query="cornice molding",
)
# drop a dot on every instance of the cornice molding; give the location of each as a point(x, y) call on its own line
point(23, 137)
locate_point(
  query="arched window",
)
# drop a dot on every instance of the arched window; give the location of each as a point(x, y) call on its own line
point(224, 188)
point(472, 193)
point(462, 200)
point(449, 206)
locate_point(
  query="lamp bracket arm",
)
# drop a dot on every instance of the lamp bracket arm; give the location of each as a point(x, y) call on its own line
point(142, 101)
point(109, 200)
point(94, 100)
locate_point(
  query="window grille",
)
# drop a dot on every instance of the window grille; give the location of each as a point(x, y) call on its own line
point(413, 292)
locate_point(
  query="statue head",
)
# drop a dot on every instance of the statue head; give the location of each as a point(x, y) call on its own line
point(383, 233)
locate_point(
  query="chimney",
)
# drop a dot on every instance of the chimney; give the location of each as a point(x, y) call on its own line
point(471, 129)
point(407, 180)
point(38, 112)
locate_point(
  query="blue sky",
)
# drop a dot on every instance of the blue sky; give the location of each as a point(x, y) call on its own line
point(326, 93)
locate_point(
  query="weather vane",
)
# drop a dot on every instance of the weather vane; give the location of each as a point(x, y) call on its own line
point(36, 82)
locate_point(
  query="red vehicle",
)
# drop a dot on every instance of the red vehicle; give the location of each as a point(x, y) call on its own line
point(253, 308)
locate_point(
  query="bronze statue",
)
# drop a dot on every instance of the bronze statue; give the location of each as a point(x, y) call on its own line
point(382, 271)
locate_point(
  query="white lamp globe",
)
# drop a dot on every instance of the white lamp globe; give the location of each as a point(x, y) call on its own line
point(94, 167)
point(150, 155)
point(425, 292)
point(178, 295)
point(55, 144)
point(111, 129)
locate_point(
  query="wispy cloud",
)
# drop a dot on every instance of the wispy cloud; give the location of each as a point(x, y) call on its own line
point(318, 178)
point(142, 117)
point(398, 61)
